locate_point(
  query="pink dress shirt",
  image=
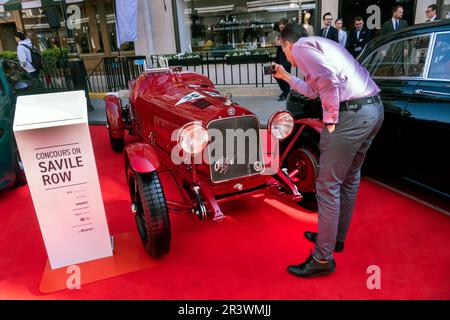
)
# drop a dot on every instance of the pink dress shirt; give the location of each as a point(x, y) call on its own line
point(331, 73)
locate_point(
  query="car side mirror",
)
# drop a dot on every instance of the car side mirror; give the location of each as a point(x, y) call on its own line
point(22, 85)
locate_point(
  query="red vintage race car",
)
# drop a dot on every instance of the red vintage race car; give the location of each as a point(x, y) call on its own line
point(211, 149)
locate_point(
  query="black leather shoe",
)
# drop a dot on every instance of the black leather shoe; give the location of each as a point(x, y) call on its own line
point(281, 98)
point(312, 236)
point(311, 268)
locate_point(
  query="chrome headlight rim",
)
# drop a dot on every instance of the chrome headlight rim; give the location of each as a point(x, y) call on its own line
point(184, 137)
point(276, 116)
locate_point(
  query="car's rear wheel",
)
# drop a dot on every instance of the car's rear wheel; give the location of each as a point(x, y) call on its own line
point(116, 144)
point(21, 180)
point(152, 215)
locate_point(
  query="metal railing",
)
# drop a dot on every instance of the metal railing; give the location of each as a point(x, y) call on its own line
point(58, 78)
point(113, 73)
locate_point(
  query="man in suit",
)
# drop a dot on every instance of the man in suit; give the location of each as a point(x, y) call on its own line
point(431, 13)
point(358, 37)
point(328, 31)
point(396, 22)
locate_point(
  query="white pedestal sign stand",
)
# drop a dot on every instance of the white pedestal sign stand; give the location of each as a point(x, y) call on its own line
point(53, 138)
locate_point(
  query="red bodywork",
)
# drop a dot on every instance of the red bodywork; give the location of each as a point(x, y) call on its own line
point(154, 112)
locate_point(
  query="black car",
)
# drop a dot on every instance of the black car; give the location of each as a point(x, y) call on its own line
point(412, 69)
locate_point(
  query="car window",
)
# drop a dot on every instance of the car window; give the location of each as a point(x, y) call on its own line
point(14, 72)
point(400, 58)
point(440, 62)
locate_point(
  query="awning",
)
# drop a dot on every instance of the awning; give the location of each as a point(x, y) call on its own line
point(11, 5)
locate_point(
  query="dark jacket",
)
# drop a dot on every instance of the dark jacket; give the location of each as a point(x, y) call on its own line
point(332, 34)
point(280, 58)
point(387, 27)
point(355, 44)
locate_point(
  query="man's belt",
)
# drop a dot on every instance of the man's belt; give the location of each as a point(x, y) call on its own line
point(355, 105)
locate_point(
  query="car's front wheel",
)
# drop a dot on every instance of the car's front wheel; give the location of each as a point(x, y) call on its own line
point(303, 164)
point(152, 214)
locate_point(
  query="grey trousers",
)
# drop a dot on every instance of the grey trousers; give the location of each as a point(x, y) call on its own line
point(342, 154)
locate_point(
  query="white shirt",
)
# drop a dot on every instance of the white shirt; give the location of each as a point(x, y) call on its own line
point(394, 23)
point(342, 37)
point(432, 19)
point(24, 55)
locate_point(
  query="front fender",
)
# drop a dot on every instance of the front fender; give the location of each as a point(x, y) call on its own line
point(114, 116)
point(315, 124)
point(141, 158)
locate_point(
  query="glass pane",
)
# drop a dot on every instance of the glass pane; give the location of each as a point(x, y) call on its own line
point(440, 63)
point(239, 24)
point(445, 12)
point(404, 58)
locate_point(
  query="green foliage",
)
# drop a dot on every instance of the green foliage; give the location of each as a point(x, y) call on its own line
point(50, 57)
point(9, 55)
point(183, 56)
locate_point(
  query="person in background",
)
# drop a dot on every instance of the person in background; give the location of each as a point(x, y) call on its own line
point(396, 22)
point(341, 33)
point(280, 58)
point(352, 116)
point(358, 37)
point(24, 46)
point(328, 31)
point(431, 13)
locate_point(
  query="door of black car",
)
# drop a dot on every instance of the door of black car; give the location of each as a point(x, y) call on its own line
point(397, 67)
point(425, 135)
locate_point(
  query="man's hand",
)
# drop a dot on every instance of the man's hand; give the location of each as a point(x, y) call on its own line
point(280, 73)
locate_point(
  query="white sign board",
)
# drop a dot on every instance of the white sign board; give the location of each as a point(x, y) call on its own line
point(53, 137)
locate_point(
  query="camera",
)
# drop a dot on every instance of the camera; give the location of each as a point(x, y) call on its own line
point(269, 69)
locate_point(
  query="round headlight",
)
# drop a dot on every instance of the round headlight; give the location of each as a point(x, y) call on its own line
point(281, 124)
point(193, 138)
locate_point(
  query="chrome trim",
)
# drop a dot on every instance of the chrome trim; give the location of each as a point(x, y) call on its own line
point(435, 35)
point(261, 149)
point(420, 91)
point(426, 68)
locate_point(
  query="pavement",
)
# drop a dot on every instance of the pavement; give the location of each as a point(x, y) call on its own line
point(262, 106)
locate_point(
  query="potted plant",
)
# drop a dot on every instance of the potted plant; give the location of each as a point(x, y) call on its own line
point(185, 59)
point(248, 56)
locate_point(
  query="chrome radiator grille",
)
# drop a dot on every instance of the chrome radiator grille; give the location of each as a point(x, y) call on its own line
point(235, 148)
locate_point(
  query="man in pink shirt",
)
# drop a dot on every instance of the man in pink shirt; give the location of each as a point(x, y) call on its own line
point(352, 115)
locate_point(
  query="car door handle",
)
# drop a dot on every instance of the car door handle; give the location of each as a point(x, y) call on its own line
point(420, 91)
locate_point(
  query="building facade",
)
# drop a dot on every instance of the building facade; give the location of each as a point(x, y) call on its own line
point(176, 26)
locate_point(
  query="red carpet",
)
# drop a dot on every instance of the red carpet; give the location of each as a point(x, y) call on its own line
point(245, 256)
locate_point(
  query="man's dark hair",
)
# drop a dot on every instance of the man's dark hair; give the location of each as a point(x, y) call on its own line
point(432, 7)
point(396, 7)
point(293, 33)
point(326, 14)
point(358, 18)
point(20, 35)
point(284, 21)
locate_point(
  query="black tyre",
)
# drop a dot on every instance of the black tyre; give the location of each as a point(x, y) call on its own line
point(307, 164)
point(152, 215)
point(116, 144)
point(21, 180)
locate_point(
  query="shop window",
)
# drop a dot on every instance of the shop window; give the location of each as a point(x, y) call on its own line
point(440, 62)
point(239, 24)
point(444, 9)
point(401, 58)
